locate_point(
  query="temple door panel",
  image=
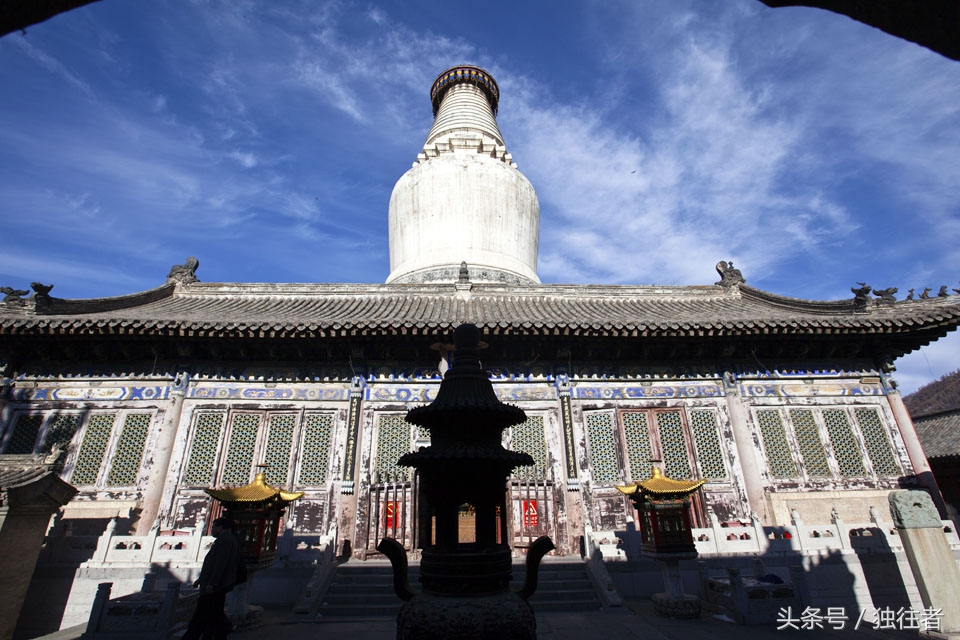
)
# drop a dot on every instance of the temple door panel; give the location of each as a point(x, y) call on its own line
point(392, 502)
point(531, 497)
point(661, 437)
point(623, 446)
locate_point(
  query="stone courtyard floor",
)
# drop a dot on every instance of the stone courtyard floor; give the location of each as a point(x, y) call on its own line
point(636, 620)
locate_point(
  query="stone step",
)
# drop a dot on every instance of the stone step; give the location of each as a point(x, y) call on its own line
point(369, 578)
point(338, 599)
point(359, 610)
point(365, 590)
point(565, 595)
point(359, 589)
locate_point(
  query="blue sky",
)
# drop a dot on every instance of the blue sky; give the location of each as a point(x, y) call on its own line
point(264, 138)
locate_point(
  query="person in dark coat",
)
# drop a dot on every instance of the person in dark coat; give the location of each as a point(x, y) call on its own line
point(217, 577)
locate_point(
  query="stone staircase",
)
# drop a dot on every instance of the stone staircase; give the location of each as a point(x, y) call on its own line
point(362, 590)
point(365, 589)
point(564, 585)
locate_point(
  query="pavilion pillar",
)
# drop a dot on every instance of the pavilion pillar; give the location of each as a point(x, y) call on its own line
point(160, 467)
point(746, 448)
point(918, 459)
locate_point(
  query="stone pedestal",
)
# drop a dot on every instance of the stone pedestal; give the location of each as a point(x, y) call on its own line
point(930, 557)
point(685, 606)
point(242, 614)
point(674, 603)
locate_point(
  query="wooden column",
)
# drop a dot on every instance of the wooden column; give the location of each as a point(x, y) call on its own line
point(921, 467)
point(347, 512)
point(746, 448)
point(566, 419)
point(159, 466)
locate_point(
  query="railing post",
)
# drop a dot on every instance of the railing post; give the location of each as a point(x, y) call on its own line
point(149, 580)
point(151, 542)
point(763, 542)
point(168, 609)
point(96, 612)
point(715, 528)
point(841, 529)
point(798, 526)
point(198, 542)
point(104, 542)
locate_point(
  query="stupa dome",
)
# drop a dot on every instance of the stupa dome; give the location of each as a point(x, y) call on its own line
point(464, 200)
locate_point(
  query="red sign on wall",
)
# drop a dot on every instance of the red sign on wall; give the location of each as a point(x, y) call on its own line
point(530, 513)
point(389, 514)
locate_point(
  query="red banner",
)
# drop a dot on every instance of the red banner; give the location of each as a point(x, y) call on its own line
point(531, 516)
point(389, 514)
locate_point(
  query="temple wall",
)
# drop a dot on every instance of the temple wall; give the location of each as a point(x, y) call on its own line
point(824, 445)
point(590, 427)
point(601, 426)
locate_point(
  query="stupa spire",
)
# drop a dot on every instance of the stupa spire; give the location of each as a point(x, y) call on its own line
point(465, 103)
point(464, 200)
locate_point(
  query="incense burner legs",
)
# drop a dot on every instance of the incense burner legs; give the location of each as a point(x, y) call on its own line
point(466, 594)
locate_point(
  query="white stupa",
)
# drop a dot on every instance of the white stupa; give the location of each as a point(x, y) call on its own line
point(464, 200)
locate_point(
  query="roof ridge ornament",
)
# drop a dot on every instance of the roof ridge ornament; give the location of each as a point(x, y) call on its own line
point(729, 275)
point(41, 292)
point(463, 284)
point(185, 273)
point(861, 296)
point(14, 297)
point(885, 296)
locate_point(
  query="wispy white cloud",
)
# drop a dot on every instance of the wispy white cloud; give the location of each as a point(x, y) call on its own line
point(54, 66)
point(245, 159)
point(635, 209)
point(327, 82)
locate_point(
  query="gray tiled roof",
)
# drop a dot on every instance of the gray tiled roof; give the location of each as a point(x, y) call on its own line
point(939, 433)
point(12, 476)
point(290, 310)
point(31, 482)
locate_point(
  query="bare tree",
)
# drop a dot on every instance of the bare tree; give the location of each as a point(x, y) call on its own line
point(17, 15)
point(934, 24)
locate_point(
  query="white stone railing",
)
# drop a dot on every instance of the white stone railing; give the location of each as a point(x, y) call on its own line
point(145, 616)
point(183, 548)
point(754, 538)
point(595, 553)
point(179, 548)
